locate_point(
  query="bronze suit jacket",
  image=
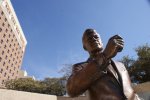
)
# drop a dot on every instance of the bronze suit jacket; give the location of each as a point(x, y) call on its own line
point(89, 76)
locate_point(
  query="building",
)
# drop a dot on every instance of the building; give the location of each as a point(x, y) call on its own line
point(12, 43)
point(24, 74)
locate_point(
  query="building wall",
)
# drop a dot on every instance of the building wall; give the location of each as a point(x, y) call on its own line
point(77, 98)
point(12, 43)
point(19, 95)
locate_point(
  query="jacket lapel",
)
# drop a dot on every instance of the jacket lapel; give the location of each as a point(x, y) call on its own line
point(124, 78)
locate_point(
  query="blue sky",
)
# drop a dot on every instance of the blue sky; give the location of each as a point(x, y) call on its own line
point(54, 28)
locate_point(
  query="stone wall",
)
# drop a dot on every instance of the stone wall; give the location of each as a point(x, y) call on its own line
point(143, 90)
point(19, 95)
point(77, 98)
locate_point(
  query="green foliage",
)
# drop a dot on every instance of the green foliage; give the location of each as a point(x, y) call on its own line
point(54, 86)
point(51, 86)
point(128, 62)
point(139, 69)
point(143, 52)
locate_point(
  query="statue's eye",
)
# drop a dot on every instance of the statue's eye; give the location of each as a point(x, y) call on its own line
point(96, 37)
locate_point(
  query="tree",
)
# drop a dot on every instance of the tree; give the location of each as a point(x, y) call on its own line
point(54, 86)
point(127, 61)
point(51, 86)
point(66, 70)
point(142, 64)
point(139, 69)
point(24, 84)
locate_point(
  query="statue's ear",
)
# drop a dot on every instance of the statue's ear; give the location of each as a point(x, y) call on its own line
point(84, 48)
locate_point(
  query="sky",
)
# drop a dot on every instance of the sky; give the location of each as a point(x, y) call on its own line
point(54, 29)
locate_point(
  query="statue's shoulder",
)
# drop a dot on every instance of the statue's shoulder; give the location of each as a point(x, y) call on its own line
point(79, 66)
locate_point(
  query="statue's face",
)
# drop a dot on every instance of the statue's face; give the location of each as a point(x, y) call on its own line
point(92, 42)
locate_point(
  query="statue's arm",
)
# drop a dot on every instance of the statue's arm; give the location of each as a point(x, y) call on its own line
point(82, 77)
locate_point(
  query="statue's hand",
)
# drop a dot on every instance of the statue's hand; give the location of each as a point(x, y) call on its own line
point(114, 45)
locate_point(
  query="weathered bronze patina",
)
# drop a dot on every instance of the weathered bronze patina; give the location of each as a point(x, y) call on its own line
point(104, 78)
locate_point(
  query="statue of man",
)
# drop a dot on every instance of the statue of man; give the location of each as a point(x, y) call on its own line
point(104, 78)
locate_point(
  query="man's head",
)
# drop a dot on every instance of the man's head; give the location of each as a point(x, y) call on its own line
point(91, 41)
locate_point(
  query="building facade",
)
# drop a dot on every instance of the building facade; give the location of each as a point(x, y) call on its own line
point(12, 43)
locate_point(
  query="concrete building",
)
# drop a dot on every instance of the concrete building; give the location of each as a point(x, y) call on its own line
point(12, 43)
point(24, 74)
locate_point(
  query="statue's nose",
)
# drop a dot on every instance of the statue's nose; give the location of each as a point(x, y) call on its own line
point(94, 38)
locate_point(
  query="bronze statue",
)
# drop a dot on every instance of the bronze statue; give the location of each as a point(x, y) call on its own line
point(104, 78)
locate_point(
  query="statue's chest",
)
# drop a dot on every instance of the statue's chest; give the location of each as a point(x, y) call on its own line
point(106, 87)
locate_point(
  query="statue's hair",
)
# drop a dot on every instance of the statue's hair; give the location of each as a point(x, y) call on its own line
point(87, 31)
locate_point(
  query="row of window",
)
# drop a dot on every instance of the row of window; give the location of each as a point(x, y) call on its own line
point(3, 24)
point(15, 54)
point(3, 81)
point(10, 71)
point(6, 30)
point(4, 63)
point(5, 75)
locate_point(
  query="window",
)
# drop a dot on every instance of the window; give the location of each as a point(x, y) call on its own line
point(8, 25)
point(2, 13)
point(10, 71)
point(9, 61)
point(5, 46)
point(7, 41)
point(6, 30)
point(7, 67)
point(4, 64)
point(8, 51)
point(10, 45)
point(2, 41)
point(11, 65)
point(0, 29)
point(2, 52)
point(1, 71)
point(4, 35)
point(2, 81)
point(3, 24)
point(5, 74)
point(5, 19)
point(6, 57)
point(9, 35)
point(0, 59)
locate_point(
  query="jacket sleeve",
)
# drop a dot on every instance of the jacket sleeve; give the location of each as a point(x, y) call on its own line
point(126, 82)
point(83, 75)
